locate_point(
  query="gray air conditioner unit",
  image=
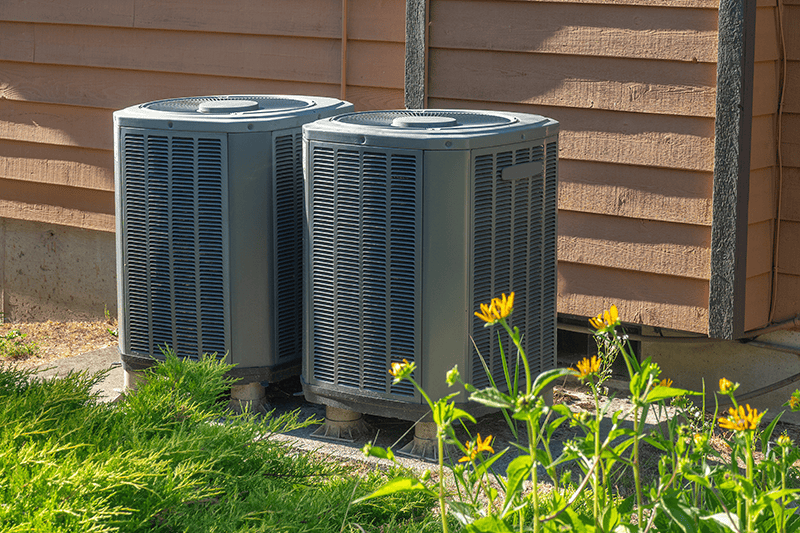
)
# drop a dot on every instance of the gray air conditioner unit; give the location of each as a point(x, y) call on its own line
point(413, 219)
point(209, 229)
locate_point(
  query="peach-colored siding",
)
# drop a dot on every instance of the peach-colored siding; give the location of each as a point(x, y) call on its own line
point(763, 174)
point(66, 65)
point(633, 86)
point(787, 303)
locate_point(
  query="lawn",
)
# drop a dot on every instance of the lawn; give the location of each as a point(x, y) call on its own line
point(169, 457)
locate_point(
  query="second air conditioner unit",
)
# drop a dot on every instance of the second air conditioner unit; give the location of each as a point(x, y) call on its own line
point(413, 219)
point(209, 239)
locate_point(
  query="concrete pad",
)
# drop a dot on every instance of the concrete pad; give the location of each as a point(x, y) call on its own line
point(103, 359)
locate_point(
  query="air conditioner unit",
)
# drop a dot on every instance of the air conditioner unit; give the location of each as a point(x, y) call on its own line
point(209, 229)
point(413, 219)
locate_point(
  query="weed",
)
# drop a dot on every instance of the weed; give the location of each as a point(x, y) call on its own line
point(13, 345)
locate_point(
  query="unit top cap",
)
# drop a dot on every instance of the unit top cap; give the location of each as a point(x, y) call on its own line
point(428, 119)
point(434, 129)
point(245, 112)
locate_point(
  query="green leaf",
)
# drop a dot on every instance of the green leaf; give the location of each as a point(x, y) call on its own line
point(728, 522)
point(516, 472)
point(377, 451)
point(492, 397)
point(488, 524)
point(609, 518)
point(458, 414)
point(660, 392)
point(625, 507)
point(767, 433)
point(399, 484)
point(483, 466)
point(680, 514)
point(547, 377)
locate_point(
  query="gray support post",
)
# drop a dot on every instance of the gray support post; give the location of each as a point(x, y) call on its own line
point(416, 54)
point(734, 115)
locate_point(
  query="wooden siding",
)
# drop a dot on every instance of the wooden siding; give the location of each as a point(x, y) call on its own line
point(66, 65)
point(787, 304)
point(633, 85)
point(763, 168)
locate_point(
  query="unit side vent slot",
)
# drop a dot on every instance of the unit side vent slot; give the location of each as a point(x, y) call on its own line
point(174, 208)
point(365, 239)
point(514, 250)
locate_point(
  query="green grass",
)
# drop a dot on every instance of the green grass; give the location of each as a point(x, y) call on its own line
point(170, 458)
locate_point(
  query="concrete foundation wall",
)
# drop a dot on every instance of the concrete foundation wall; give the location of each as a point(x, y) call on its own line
point(753, 367)
point(53, 272)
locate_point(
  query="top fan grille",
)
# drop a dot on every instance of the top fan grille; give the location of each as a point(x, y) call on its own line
point(193, 105)
point(405, 119)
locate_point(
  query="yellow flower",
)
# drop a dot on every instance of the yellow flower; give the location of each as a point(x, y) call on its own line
point(400, 371)
point(794, 402)
point(474, 450)
point(785, 441)
point(587, 367)
point(739, 421)
point(606, 320)
point(665, 383)
point(726, 387)
point(498, 309)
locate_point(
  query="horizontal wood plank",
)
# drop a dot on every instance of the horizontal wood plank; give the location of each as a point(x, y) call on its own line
point(57, 165)
point(80, 12)
point(54, 124)
point(305, 18)
point(759, 248)
point(629, 138)
point(640, 245)
point(376, 64)
point(263, 57)
point(363, 22)
point(117, 89)
point(790, 196)
point(371, 99)
point(642, 298)
point(791, 98)
point(786, 303)
point(791, 140)
point(767, 39)
point(788, 258)
point(592, 83)
point(16, 42)
point(55, 204)
point(765, 87)
point(605, 30)
point(758, 292)
point(763, 142)
point(700, 4)
point(791, 29)
point(635, 192)
point(761, 205)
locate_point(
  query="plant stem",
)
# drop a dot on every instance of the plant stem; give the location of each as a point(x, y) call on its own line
point(442, 506)
point(534, 476)
point(750, 471)
point(596, 479)
point(636, 479)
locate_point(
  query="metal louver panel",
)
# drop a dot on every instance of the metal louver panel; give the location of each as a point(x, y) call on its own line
point(173, 243)
point(288, 238)
point(514, 225)
point(365, 220)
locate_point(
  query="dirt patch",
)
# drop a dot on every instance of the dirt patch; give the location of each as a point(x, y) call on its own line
point(55, 340)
